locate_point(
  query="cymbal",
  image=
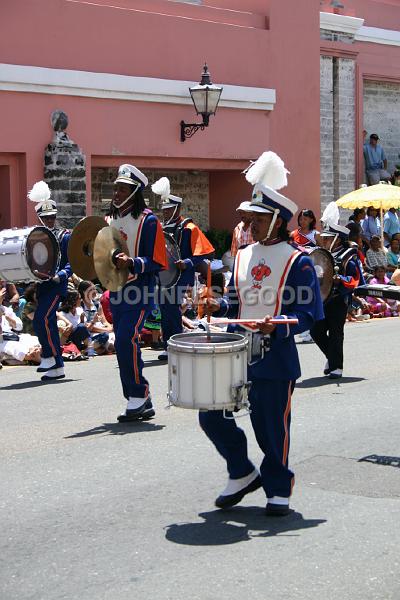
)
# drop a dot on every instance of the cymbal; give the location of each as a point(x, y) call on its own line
point(80, 247)
point(107, 241)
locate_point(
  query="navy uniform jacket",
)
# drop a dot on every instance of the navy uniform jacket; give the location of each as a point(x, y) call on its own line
point(194, 248)
point(50, 287)
point(350, 279)
point(281, 362)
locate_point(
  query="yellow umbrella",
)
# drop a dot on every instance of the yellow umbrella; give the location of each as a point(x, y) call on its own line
point(381, 196)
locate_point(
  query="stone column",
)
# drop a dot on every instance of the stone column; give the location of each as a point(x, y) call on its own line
point(65, 173)
point(344, 126)
point(326, 121)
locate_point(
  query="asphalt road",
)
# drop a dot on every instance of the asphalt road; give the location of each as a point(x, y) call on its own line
point(91, 509)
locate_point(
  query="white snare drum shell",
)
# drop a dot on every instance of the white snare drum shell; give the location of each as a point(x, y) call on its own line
point(203, 375)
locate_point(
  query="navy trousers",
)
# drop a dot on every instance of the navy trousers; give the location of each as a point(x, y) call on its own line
point(171, 317)
point(45, 321)
point(127, 327)
point(328, 334)
point(270, 403)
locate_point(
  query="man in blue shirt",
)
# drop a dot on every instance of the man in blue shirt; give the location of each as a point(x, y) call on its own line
point(375, 161)
point(391, 225)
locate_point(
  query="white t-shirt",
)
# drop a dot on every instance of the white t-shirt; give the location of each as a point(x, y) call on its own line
point(74, 319)
point(5, 325)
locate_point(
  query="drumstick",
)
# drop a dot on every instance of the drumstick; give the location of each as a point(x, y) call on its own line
point(208, 298)
point(272, 321)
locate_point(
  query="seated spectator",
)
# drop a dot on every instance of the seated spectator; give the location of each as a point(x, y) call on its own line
point(71, 314)
point(99, 328)
point(306, 233)
point(15, 347)
point(371, 225)
point(152, 330)
point(393, 256)
point(11, 295)
point(396, 178)
point(379, 306)
point(375, 256)
point(28, 311)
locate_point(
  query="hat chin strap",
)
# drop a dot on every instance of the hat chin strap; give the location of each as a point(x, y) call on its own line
point(172, 217)
point(51, 228)
point(126, 200)
point(272, 224)
point(333, 242)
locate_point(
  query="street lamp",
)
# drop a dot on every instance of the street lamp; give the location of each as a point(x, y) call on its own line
point(205, 97)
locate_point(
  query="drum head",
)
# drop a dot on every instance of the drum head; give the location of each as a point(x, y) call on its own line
point(170, 276)
point(42, 251)
point(325, 268)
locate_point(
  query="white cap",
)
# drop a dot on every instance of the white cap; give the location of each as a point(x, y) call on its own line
point(245, 206)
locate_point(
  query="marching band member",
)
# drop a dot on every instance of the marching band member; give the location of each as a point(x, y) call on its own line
point(269, 278)
point(50, 291)
point(194, 248)
point(328, 334)
point(130, 306)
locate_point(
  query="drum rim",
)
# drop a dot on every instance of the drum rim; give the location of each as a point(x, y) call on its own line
point(240, 343)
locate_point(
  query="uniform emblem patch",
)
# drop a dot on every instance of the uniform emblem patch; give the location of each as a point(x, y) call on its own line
point(259, 273)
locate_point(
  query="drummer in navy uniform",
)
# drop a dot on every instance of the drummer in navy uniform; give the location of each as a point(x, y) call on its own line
point(50, 291)
point(194, 248)
point(130, 307)
point(271, 277)
point(328, 334)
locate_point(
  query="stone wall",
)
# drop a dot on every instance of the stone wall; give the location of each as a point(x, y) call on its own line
point(337, 119)
point(192, 186)
point(326, 121)
point(65, 173)
point(344, 127)
point(382, 116)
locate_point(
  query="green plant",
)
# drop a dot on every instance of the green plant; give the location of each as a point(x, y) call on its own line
point(221, 239)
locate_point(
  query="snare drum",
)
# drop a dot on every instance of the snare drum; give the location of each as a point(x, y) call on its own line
point(208, 374)
point(25, 250)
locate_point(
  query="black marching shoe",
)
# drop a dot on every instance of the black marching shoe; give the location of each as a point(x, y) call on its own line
point(143, 413)
point(277, 510)
point(238, 489)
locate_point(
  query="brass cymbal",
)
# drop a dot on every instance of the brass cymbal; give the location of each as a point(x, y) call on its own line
point(80, 247)
point(107, 242)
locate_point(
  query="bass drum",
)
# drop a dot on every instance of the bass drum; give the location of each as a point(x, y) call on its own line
point(170, 277)
point(324, 267)
point(24, 251)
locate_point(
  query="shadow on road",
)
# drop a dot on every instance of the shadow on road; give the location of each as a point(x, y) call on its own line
point(154, 362)
point(239, 524)
point(378, 459)
point(117, 429)
point(322, 381)
point(37, 383)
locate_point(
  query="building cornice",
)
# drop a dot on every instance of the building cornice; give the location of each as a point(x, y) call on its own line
point(375, 35)
point(64, 82)
point(341, 23)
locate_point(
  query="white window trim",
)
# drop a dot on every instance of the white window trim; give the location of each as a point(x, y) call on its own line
point(43, 80)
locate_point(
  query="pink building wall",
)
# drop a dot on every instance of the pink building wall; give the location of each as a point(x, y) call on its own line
point(172, 42)
point(258, 43)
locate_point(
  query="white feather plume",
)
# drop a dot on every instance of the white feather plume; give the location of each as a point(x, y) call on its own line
point(269, 170)
point(331, 214)
point(40, 192)
point(162, 187)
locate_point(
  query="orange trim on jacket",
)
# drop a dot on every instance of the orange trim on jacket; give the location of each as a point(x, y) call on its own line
point(199, 243)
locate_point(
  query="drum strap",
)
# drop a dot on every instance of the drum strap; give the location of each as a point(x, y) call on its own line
point(176, 229)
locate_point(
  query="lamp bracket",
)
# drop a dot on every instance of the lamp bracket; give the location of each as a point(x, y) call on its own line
point(189, 129)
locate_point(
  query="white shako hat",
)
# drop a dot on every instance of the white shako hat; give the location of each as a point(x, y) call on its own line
point(268, 174)
point(330, 218)
point(162, 187)
point(245, 206)
point(40, 194)
point(132, 176)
